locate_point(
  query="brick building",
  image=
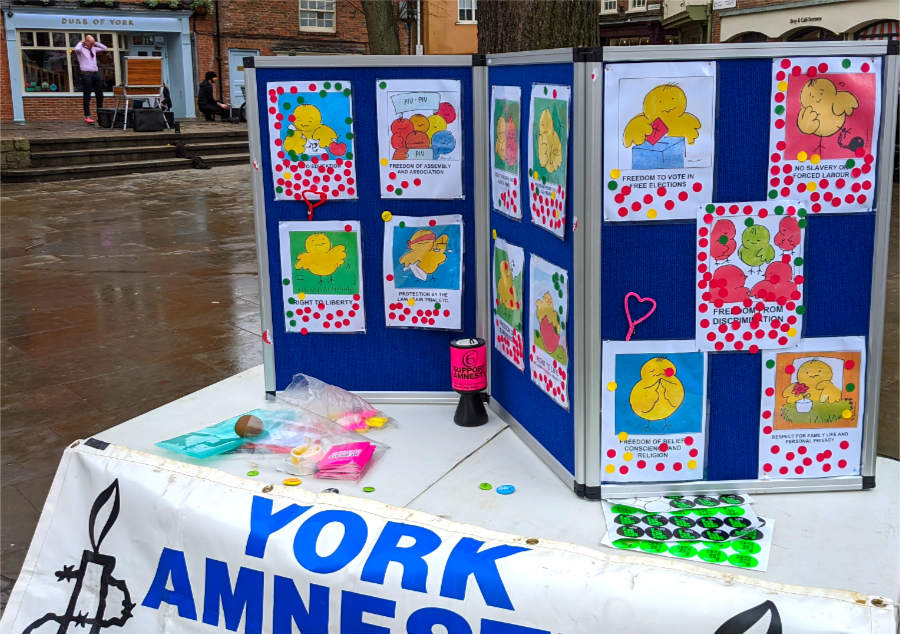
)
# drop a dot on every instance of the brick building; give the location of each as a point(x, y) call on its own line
point(633, 22)
point(40, 77)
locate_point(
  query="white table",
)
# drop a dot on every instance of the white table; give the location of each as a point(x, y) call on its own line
point(845, 540)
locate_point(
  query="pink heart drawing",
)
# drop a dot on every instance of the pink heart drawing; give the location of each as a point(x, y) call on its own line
point(634, 322)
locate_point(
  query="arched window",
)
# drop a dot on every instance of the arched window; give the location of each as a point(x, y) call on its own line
point(749, 36)
point(811, 34)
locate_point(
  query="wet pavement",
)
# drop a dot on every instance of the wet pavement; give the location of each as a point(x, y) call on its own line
point(124, 293)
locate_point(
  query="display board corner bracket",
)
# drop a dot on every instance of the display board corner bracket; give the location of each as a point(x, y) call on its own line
point(893, 47)
point(249, 62)
point(587, 54)
point(479, 59)
point(868, 482)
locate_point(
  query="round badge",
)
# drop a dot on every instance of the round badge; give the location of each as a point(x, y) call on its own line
point(737, 522)
point(485, 486)
point(686, 534)
point(709, 522)
point(733, 511)
point(731, 498)
point(653, 547)
point(622, 508)
point(712, 555)
point(632, 532)
point(253, 473)
point(660, 534)
point(626, 544)
point(368, 489)
point(655, 520)
point(682, 522)
point(626, 520)
point(683, 550)
point(292, 482)
point(705, 512)
point(681, 503)
point(746, 548)
point(743, 561)
point(330, 490)
point(715, 535)
point(705, 500)
point(754, 535)
point(506, 489)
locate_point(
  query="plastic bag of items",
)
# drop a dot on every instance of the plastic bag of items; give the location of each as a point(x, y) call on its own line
point(345, 408)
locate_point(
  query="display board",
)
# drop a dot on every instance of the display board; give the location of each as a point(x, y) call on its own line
point(741, 214)
point(365, 189)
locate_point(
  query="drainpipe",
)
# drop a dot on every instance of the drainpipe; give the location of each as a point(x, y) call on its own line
point(219, 53)
point(420, 50)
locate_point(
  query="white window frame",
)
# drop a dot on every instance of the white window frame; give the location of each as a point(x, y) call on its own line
point(637, 5)
point(467, 5)
point(113, 50)
point(609, 6)
point(317, 29)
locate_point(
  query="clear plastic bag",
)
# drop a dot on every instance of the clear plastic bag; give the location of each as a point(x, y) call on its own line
point(337, 404)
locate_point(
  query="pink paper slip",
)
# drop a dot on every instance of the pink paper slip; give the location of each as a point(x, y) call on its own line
point(659, 131)
point(345, 462)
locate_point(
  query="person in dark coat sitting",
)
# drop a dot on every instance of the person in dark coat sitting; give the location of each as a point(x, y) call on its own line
point(207, 102)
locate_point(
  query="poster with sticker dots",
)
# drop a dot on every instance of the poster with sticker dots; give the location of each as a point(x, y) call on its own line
point(549, 319)
point(419, 138)
point(506, 108)
point(659, 126)
point(654, 411)
point(321, 271)
point(750, 275)
point(823, 140)
point(811, 409)
point(548, 156)
point(422, 270)
point(312, 150)
point(509, 272)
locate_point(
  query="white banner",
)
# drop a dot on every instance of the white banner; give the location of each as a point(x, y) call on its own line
point(146, 544)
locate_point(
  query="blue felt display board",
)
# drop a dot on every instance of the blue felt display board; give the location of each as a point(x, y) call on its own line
point(551, 425)
point(657, 260)
point(381, 359)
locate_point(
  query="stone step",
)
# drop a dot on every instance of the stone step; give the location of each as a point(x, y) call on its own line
point(105, 138)
point(58, 158)
point(95, 170)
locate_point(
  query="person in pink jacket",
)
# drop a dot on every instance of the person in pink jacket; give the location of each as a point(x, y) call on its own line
point(91, 81)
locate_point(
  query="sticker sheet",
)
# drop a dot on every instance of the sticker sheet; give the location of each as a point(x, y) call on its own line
point(548, 156)
point(312, 141)
point(811, 409)
point(654, 411)
point(823, 139)
point(661, 115)
point(717, 524)
point(506, 108)
point(423, 268)
point(509, 270)
point(548, 325)
point(671, 503)
point(419, 138)
point(750, 275)
point(321, 276)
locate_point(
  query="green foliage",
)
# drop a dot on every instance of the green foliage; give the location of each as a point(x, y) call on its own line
point(820, 412)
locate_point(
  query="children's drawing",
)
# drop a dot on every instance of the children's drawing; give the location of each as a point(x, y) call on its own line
point(509, 264)
point(422, 260)
point(505, 125)
point(321, 270)
point(311, 141)
point(811, 409)
point(654, 404)
point(419, 138)
point(548, 152)
point(823, 137)
point(548, 327)
point(750, 275)
point(662, 115)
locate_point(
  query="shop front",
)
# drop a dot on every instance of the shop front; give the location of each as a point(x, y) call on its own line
point(45, 80)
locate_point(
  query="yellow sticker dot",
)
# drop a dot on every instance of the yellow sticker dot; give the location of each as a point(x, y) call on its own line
point(384, 161)
point(782, 86)
point(811, 187)
point(610, 468)
point(611, 386)
point(651, 214)
point(553, 195)
point(286, 176)
point(792, 332)
point(615, 173)
point(846, 413)
point(411, 301)
point(301, 296)
point(814, 159)
point(801, 155)
point(386, 216)
point(692, 464)
point(494, 233)
point(628, 455)
point(623, 436)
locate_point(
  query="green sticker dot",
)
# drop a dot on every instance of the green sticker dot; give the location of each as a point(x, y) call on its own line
point(712, 555)
point(293, 154)
point(545, 90)
point(291, 300)
point(779, 109)
point(398, 191)
point(285, 281)
point(437, 306)
point(715, 545)
point(622, 508)
point(801, 310)
point(723, 239)
point(802, 213)
point(850, 163)
point(743, 561)
point(327, 84)
point(349, 135)
point(770, 364)
point(368, 489)
point(746, 548)
point(349, 155)
point(279, 189)
point(382, 85)
point(802, 223)
point(773, 194)
point(798, 261)
point(401, 224)
point(732, 511)
point(653, 547)
point(293, 323)
point(253, 473)
point(612, 185)
point(337, 86)
point(346, 92)
point(850, 387)
point(779, 210)
point(683, 550)
point(705, 512)
point(710, 208)
point(290, 313)
point(304, 157)
point(485, 486)
point(749, 222)
point(845, 63)
point(348, 120)
point(626, 544)
point(286, 105)
point(323, 93)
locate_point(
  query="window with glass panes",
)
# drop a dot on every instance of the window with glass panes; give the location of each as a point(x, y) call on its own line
point(638, 4)
point(467, 10)
point(50, 66)
point(317, 15)
point(609, 6)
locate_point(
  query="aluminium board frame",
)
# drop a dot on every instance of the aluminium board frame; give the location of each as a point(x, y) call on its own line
point(479, 192)
point(593, 219)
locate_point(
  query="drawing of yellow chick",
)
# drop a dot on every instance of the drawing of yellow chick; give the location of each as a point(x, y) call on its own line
point(500, 143)
point(667, 103)
point(825, 108)
point(815, 376)
point(659, 392)
point(549, 145)
point(506, 290)
point(425, 253)
point(321, 259)
point(313, 136)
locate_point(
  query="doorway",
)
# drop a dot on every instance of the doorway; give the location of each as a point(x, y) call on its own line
point(236, 74)
point(150, 45)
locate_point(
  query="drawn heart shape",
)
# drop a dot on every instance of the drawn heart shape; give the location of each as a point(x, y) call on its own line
point(634, 322)
point(337, 149)
point(313, 204)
